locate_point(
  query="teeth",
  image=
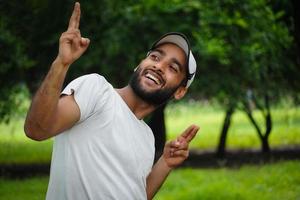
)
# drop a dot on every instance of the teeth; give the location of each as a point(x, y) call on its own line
point(156, 80)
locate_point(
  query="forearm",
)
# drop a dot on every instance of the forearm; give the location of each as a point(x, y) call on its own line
point(156, 178)
point(45, 101)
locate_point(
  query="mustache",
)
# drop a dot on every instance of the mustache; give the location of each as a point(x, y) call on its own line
point(157, 73)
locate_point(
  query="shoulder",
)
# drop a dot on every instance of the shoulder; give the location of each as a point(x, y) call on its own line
point(94, 77)
point(92, 81)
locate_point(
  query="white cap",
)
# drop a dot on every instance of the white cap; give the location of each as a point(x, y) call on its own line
point(180, 40)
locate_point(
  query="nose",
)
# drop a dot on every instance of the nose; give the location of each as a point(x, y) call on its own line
point(160, 67)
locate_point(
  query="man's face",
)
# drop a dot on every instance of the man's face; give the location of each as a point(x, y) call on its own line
point(160, 74)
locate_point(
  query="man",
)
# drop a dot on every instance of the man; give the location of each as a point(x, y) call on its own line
point(102, 147)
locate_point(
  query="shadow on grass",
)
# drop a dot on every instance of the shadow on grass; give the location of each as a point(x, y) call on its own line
point(238, 158)
point(197, 159)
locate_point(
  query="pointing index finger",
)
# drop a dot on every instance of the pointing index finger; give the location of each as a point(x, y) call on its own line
point(75, 18)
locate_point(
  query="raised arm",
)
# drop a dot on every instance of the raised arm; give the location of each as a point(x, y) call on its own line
point(175, 152)
point(50, 114)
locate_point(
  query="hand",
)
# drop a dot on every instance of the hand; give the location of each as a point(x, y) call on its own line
point(71, 44)
point(176, 151)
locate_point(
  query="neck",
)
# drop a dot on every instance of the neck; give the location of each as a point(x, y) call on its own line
point(139, 107)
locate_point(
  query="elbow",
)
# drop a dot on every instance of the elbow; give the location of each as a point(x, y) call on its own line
point(32, 132)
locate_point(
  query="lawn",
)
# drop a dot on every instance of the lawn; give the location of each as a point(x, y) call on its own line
point(23, 189)
point(285, 132)
point(16, 148)
point(264, 182)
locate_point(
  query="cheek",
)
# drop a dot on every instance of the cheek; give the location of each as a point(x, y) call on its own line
point(174, 79)
point(145, 63)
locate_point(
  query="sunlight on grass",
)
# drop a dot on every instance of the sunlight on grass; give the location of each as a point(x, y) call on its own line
point(266, 182)
point(15, 147)
point(19, 189)
point(286, 126)
point(275, 181)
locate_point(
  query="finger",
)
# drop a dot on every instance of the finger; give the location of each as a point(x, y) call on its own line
point(76, 43)
point(190, 133)
point(184, 145)
point(182, 153)
point(174, 144)
point(172, 151)
point(73, 33)
point(187, 131)
point(69, 36)
point(75, 18)
point(78, 16)
point(84, 42)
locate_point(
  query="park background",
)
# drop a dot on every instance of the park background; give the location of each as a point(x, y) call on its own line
point(245, 96)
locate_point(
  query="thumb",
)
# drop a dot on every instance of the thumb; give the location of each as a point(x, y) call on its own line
point(84, 42)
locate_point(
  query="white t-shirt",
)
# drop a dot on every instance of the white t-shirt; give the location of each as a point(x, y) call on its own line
point(108, 154)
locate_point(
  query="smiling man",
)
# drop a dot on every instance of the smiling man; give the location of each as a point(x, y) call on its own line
point(102, 147)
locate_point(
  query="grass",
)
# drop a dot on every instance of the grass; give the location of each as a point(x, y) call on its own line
point(16, 148)
point(264, 182)
point(286, 126)
point(21, 189)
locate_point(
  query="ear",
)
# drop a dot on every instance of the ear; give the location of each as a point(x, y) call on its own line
point(180, 92)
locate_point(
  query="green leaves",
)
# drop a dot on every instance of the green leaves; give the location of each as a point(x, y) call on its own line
point(235, 43)
point(241, 46)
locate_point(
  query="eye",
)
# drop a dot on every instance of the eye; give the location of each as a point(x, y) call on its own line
point(154, 57)
point(174, 68)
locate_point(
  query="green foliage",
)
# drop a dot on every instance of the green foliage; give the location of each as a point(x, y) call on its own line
point(243, 47)
point(12, 62)
point(122, 32)
point(238, 45)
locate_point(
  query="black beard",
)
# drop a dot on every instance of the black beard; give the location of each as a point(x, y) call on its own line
point(155, 98)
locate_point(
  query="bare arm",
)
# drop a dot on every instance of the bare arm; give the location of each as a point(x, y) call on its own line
point(50, 114)
point(175, 152)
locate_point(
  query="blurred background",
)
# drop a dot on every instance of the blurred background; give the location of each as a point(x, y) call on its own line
point(245, 96)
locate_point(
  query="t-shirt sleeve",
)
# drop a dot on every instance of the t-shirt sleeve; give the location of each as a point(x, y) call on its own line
point(88, 90)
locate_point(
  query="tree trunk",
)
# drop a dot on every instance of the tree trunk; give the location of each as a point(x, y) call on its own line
point(157, 124)
point(268, 121)
point(225, 128)
point(264, 137)
point(265, 145)
point(254, 123)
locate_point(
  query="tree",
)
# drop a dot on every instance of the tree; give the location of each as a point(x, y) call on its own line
point(243, 49)
point(11, 92)
point(239, 47)
point(121, 33)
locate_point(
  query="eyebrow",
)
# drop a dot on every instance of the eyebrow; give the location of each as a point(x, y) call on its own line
point(174, 60)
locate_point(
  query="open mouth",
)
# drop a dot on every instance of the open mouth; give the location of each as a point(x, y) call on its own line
point(156, 78)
